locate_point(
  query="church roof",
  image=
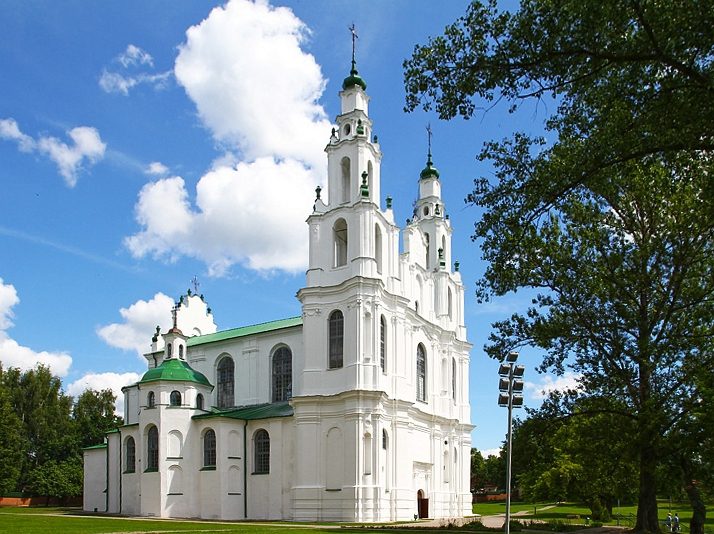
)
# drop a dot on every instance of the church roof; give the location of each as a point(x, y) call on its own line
point(249, 413)
point(174, 370)
point(245, 331)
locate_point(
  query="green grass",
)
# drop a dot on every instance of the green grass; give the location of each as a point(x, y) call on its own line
point(565, 513)
point(37, 520)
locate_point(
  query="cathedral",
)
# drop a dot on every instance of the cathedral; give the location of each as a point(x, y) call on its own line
point(357, 410)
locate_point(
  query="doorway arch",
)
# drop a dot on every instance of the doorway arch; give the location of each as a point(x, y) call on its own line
point(422, 505)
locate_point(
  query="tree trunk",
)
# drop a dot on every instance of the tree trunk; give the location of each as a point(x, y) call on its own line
point(699, 511)
point(647, 503)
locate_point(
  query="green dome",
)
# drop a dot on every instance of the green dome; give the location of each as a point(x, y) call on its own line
point(174, 370)
point(429, 170)
point(354, 79)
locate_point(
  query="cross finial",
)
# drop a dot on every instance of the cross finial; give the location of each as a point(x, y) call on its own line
point(174, 311)
point(353, 31)
point(429, 134)
point(195, 283)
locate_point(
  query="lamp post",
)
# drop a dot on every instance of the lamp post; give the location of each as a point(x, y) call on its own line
point(510, 386)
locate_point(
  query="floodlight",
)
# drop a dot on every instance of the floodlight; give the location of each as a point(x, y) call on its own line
point(517, 401)
point(512, 356)
point(504, 369)
point(517, 385)
point(503, 399)
point(503, 384)
point(518, 370)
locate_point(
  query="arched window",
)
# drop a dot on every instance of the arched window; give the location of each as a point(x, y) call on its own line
point(383, 344)
point(152, 449)
point(282, 374)
point(151, 400)
point(443, 245)
point(346, 170)
point(337, 333)
point(199, 401)
point(378, 247)
point(181, 351)
point(261, 449)
point(224, 382)
point(209, 448)
point(168, 350)
point(453, 379)
point(385, 439)
point(175, 398)
point(130, 447)
point(421, 373)
point(340, 236)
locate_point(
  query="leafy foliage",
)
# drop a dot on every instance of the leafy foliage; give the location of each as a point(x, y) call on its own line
point(42, 432)
point(613, 221)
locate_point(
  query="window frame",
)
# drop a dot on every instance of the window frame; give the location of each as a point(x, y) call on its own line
point(261, 452)
point(209, 448)
point(421, 373)
point(152, 449)
point(282, 373)
point(175, 398)
point(130, 455)
point(225, 388)
point(336, 340)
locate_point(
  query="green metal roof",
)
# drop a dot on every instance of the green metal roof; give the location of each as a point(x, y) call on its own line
point(250, 413)
point(174, 370)
point(245, 331)
point(429, 170)
point(100, 446)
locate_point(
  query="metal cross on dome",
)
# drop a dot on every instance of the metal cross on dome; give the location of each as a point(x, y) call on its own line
point(353, 31)
point(195, 283)
point(174, 311)
point(428, 134)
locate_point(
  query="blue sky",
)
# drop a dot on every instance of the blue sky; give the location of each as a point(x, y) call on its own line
point(143, 143)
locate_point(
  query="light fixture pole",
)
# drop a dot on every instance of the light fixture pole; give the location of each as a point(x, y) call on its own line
point(510, 386)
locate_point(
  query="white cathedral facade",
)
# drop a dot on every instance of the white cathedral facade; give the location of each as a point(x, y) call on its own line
point(358, 410)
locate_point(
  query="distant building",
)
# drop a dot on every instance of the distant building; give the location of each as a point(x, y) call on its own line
point(356, 411)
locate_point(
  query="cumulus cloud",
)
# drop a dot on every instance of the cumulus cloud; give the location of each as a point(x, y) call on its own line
point(139, 324)
point(12, 354)
point(132, 59)
point(86, 147)
point(156, 168)
point(237, 219)
point(257, 91)
point(550, 383)
point(101, 381)
point(490, 452)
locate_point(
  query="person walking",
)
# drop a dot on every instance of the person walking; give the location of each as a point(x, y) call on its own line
point(668, 522)
point(675, 522)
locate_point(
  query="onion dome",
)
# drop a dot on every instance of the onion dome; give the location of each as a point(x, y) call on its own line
point(429, 171)
point(354, 79)
point(174, 370)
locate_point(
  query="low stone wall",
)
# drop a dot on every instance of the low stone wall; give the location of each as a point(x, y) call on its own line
point(39, 501)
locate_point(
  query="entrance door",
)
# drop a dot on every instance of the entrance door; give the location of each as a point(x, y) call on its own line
point(422, 505)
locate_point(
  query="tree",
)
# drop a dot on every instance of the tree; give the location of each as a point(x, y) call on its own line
point(11, 445)
point(613, 222)
point(57, 479)
point(93, 416)
point(44, 412)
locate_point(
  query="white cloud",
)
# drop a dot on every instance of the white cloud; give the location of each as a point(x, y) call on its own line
point(133, 55)
point(11, 131)
point(237, 218)
point(113, 82)
point(256, 90)
point(131, 59)
point(156, 168)
point(12, 354)
point(490, 452)
point(567, 381)
point(86, 147)
point(140, 321)
point(101, 381)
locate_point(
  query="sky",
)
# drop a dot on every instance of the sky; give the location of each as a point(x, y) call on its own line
point(145, 143)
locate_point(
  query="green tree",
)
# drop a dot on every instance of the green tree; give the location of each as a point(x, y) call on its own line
point(478, 470)
point(57, 479)
point(613, 220)
point(11, 443)
point(44, 411)
point(93, 416)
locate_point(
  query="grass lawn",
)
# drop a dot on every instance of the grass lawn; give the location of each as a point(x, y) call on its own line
point(566, 512)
